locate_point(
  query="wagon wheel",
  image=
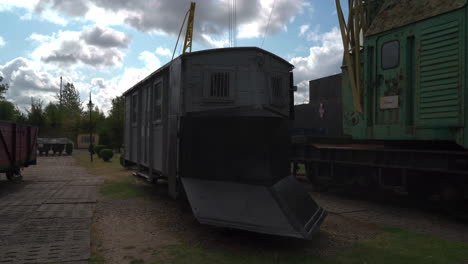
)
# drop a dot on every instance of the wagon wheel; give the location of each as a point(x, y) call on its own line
point(14, 176)
point(452, 199)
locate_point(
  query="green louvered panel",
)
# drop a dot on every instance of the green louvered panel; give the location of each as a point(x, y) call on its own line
point(439, 75)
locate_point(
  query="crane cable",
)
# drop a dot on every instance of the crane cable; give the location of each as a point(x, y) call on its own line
point(235, 24)
point(232, 25)
point(229, 2)
point(268, 24)
point(180, 32)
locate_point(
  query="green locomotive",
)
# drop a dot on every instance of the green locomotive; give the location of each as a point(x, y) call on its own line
point(403, 103)
point(413, 74)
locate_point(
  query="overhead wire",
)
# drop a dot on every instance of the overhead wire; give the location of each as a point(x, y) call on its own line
point(268, 23)
point(232, 24)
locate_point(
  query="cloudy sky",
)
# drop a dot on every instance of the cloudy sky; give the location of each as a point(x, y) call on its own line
point(106, 46)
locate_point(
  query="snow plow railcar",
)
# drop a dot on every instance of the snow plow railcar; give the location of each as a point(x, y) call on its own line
point(215, 123)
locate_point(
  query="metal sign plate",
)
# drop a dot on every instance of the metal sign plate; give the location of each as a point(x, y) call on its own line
point(389, 102)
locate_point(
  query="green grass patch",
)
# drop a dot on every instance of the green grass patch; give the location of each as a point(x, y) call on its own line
point(301, 168)
point(96, 260)
point(126, 188)
point(118, 180)
point(101, 168)
point(394, 246)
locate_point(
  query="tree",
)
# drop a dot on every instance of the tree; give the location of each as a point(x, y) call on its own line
point(3, 89)
point(53, 115)
point(71, 111)
point(71, 101)
point(36, 114)
point(7, 111)
point(20, 116)
point(116, 121)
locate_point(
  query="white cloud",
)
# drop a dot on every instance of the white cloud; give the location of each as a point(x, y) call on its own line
point(95, 46)
point(303, 29)
point(106, 90)
point(252, 15)
point(26, 81)
point(302, 94)
point(6, 5)
point(39, 38)
point(163, 51)
point(105, 37)
point(2, 42)
point(213, 42)
point(324, 59)
point(29, 5)
point(150, 60)
point(249, 30)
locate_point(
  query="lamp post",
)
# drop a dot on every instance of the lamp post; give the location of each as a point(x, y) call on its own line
point(91, 147)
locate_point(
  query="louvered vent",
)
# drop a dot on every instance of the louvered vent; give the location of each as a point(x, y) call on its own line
point(440, 74)
point(219, 87)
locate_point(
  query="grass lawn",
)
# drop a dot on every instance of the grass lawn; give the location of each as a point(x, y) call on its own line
point(393, 246)
point(301, 169)
point(119, 183)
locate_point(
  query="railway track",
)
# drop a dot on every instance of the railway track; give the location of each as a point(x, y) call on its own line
point(395, 211)
point(432, 206)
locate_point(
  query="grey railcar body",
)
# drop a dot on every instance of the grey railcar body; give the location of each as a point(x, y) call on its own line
point(215, 124)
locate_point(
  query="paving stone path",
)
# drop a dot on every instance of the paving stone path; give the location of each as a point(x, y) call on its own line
point(47, 218)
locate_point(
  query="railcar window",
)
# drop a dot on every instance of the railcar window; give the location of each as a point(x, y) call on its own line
point(390, 54)
point(276, 89)
point(219, 85)
point(134, 108)
point(157, 102)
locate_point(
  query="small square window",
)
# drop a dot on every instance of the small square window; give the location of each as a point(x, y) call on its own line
point(390, 54)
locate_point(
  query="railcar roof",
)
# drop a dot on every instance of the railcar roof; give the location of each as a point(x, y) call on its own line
point(398, 13)
point(195, 53)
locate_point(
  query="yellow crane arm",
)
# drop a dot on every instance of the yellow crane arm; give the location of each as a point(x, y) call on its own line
point(189, 32)
point(351, 36)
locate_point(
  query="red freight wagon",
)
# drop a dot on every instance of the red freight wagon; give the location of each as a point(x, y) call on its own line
point(18, 146)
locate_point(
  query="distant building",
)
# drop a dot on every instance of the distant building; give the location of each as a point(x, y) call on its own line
point(83, 140)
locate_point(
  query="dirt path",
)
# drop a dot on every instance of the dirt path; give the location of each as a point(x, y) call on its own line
point(47, 218)
point(133, 230)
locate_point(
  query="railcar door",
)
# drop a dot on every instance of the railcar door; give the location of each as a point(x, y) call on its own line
point(145, 126)
point(389, 80)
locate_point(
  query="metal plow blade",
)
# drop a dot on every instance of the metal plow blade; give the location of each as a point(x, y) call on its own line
point(284, 209)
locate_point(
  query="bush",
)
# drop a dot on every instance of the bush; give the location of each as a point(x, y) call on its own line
point(122, 159)
point(98, 148)
point(69, 148)
point(106, 154)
